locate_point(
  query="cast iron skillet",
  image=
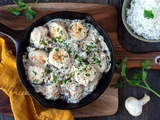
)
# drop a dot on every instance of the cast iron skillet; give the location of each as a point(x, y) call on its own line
point(21, 40)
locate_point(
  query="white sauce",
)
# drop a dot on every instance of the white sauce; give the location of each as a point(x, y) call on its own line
point(66, 59)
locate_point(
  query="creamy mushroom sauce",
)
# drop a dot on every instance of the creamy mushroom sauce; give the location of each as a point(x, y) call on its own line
point(66, 59)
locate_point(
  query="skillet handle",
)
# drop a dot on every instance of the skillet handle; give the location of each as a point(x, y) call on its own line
point(14, 35)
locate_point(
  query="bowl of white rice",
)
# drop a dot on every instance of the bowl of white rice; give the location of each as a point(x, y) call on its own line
point(142, 19)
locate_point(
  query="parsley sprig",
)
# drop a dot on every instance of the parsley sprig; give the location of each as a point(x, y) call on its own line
point(138, 79)
point(148, 14)
point(29, 13)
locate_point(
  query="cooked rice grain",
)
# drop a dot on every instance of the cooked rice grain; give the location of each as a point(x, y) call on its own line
point(147, 28)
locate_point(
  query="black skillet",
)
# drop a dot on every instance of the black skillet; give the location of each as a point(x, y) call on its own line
point(21, 40)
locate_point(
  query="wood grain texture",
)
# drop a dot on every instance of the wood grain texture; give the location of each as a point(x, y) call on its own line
point(106, 16)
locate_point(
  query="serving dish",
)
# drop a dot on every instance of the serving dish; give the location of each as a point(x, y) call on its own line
point(125, 6)
point(21, 40)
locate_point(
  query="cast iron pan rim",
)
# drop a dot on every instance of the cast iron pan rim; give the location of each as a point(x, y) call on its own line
point(95, 94)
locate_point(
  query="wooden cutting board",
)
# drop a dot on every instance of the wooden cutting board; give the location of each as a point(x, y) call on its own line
point(106, 16)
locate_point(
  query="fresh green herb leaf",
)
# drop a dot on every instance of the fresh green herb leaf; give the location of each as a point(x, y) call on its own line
point(35, 80)
point(117, 85)
point(54, 78)
point(138, 79)
point(63, 81)
point(123, 70)
point(61, 32)
point(89, 25)
point(54, 40)
point(43, 42)
point(74, 51)
point(118, 66)
point(59, 38)
point(15, 11)
point(70, 51)
point(67, 74)
point(145, 65)
point(137, 76)
point(49, 71)
point(29, 13)
point(98, 62)
point(78, 58)
point(57, 49)
point(34, 72)
point(66, 80)
point(43, 75)
point(133, 82)
point(120, 84)
point(58, 29)
point(47, 65)
point(20, 3)
point(87, 74)
point(90, 47)
point(61, 67)
point(148, 14)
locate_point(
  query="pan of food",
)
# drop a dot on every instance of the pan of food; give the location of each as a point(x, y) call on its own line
point(64, 60)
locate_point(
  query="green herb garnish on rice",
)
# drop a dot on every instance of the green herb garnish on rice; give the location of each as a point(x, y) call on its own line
point(148, 14)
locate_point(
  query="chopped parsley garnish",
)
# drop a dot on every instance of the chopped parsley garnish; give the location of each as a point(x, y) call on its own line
point(87, 74)
point(86, 63)
point(59, 37)
point(85, 68)
point(47, 65)
point(35, 80)
point(61, 67)
point(57, 49)
point(32, 41)
point(89, 25)
point(78, 58)
point(49, 71)
point(98, 62)
point(43, 42)
point(96, 41)
point(54, 40)
point(54, 78)
point(67, 45)
point(90, 47)
point(59, 56)
point(67, 74)
point(74, 51)
point(58, 29)
point(34, 72)
point(63, 81)
point(70, 51)
point(148, 14)
point(43, 75)
point(61, 32)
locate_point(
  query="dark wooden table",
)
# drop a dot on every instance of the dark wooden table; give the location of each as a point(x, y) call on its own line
point(152, 109)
